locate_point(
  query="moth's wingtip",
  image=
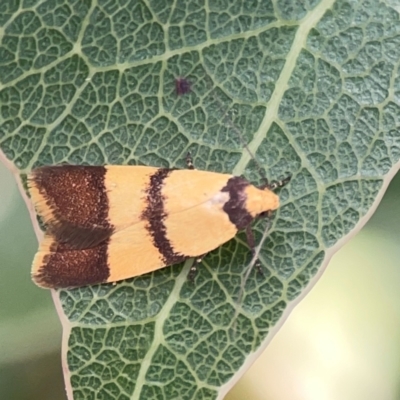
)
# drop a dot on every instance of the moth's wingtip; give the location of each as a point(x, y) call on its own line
point(38, 270)
point(40, 173)
point(32, 178)
point(39, 281)
point(59, 266)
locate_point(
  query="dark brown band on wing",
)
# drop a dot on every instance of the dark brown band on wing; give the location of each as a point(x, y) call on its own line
point(77, 197)
point(235, 207)
point(155, 216)
point(65, 267)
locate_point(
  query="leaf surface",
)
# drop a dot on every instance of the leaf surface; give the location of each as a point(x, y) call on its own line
point(312, 87)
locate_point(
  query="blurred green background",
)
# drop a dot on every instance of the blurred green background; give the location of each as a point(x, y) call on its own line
point(341, 342)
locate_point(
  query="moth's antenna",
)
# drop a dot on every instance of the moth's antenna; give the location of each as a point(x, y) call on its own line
point(240, 136)
point(183, 86)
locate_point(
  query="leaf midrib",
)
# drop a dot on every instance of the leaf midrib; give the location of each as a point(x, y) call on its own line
point(281, 85)
point(271, 115)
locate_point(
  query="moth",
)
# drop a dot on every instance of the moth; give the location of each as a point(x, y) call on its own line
point(108, 223)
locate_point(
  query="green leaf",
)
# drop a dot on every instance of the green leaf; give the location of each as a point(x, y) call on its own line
point(312, 87)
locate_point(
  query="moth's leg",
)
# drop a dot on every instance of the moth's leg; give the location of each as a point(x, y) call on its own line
point(252, 244)
point(193, 269)
point(189, 161)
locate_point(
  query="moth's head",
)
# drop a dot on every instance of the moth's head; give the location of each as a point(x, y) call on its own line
point(261, 201)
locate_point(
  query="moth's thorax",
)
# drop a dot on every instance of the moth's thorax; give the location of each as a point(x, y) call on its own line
point(220, 198)
point(260, 200)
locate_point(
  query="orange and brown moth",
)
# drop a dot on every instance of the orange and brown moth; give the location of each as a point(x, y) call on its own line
point(109, 223)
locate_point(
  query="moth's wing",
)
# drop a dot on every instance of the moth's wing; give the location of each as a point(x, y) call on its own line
point(126, 254)
point(194, 223)
point(84, 205)
point(197, 222)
